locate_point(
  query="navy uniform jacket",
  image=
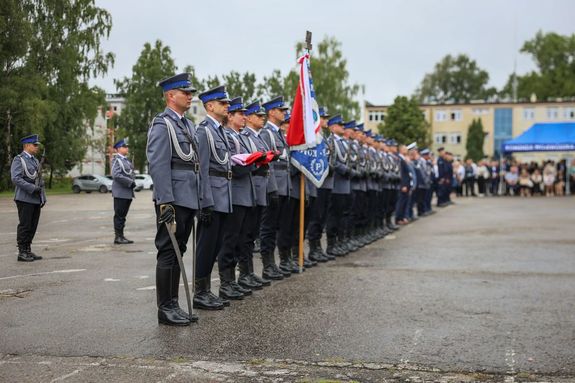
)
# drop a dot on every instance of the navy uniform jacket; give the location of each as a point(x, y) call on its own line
point(123, 177)
point(442, 170)
point(358, 181)
point(243, 188)
point(404, 173)
point(328, 182)
point(173, 183)
point(24, 171)
point(372, 182)
point(261, 174)
point(280, 180)
point(341, 170)
point(388, 173)
point(216, 190)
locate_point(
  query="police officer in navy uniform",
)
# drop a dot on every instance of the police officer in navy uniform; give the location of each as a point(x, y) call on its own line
point(172, 152)
point(216, 195)
point(336, 220)
point(243, 201)
point(279, 185)
point(122, 189)
point(255, 120)
point(318, 207)
point(395, 173)
point(30, 196)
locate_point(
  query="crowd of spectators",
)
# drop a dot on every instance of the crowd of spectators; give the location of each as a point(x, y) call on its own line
point(512, 178)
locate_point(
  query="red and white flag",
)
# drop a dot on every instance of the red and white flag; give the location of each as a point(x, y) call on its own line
point(304, 128)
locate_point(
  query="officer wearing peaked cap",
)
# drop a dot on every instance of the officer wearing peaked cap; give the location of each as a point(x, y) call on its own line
point(255, 120)
point(216, 195)
point(122, 189)
point(172, 153)
point(243, 201)
point(29, 195)
point(279, 187)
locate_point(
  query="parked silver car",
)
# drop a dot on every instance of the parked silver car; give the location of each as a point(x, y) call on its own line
point(144, 181)
point(90, 183)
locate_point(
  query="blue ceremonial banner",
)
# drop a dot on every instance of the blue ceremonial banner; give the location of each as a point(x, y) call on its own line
point(312, 162)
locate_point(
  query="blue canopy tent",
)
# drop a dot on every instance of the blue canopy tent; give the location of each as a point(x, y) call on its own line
point(544, 137)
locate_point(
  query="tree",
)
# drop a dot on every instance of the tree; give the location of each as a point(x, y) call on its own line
point(331, 78)
point(554, 56)
point(457, 79)
point(50, 50)
point(475, 138)
point(277, 85)
point(244, 85)
point(143, 97)
point(405, 122)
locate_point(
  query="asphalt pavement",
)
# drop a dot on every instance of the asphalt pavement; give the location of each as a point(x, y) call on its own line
point(482, 290)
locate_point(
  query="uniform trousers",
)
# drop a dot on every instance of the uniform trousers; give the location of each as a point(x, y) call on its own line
point(28, 216)
point(210, 239)
point(273, 228)
point(166, 256)
point(121, 207)
point(234, 236)
point(337, 220)
point(318, 209)
point(252, 226)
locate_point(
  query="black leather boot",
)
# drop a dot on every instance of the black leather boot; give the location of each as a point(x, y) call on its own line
point(286, 265)
point(331, 249)
point(202, 296)
point(315, 252)
point(245, 280)
point(175, 292)
point(29, 251)
point(120, 240)
point(307, 263)
point(167, 314)
point(23, 255)
point(256, 279)
point(227, 290)
point(269, 272)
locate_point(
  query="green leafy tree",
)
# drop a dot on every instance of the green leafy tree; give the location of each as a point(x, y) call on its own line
point(49, 51)
point(278, 85)
point(475, 139)
point(554, 56)
point(405, 122)
point(458, 79)
point(143, 97)
point(244, 85)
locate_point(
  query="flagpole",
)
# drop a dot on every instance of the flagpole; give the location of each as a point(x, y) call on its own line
point(302, 186)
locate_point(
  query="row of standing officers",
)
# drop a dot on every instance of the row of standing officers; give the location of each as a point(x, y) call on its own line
point(196, 172)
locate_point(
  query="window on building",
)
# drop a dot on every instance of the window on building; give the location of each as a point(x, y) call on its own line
point(115, 109)
point(480, 111)
point(455, 115)
point(569, 113)
point(440, 115)
point(528, 113)
point(552, 113)
point(440, 138)
point(376, 115)
point(455, 138)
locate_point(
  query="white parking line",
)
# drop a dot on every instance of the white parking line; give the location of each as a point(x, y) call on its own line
point(43, 273)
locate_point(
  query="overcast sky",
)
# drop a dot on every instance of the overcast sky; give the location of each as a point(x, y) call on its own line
point(389, 45)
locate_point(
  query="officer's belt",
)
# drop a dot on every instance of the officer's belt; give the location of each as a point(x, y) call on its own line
point(214, 173)
point(179, 164)
point(280, 165)
point(261, 172)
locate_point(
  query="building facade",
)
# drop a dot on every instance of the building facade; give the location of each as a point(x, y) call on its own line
point(449, 122)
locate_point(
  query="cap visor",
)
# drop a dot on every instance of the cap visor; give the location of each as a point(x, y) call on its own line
point(188, 89)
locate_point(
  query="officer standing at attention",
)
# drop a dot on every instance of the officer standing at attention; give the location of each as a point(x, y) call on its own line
point(279, 185)
point(216, 194)
point(243, 201)
point(29, 196)
point(122, 189)
point(174, 168)
point(255, 119)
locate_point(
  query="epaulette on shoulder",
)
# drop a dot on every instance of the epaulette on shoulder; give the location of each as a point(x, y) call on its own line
point(245, 132)
point(204, 123)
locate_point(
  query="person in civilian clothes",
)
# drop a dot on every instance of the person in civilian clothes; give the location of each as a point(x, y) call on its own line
point(30, 196)
point(173, 164)
point(215, 195)
point(122, 189)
